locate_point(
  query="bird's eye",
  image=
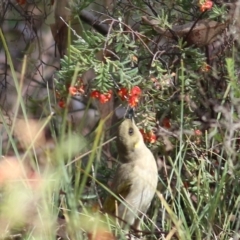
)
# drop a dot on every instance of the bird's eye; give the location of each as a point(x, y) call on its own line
point(130, 131)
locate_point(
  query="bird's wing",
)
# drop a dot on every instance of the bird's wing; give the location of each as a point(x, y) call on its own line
point(121, 191)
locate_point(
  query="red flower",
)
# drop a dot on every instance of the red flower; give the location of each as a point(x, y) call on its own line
point(105, 97)
point(135, 91)
point(134, 96)
point(205, 5)
point(108, 94)
point(198, 132)
point(123, 93)
point(61, 104)
point(73, 91)
point(102, 97)
point(149, 137)
point(133, 101)
point(95, 94)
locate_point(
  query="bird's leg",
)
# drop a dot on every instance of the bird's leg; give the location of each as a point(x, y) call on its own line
point(137, 225)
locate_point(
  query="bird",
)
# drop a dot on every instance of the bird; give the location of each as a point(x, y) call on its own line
point(136, 177)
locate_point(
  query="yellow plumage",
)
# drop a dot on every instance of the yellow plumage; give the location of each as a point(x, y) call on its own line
point(136, 178)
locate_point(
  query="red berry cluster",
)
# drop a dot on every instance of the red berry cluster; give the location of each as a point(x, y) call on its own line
point(205, 5)
point(102, 97)
point(131, 96)
point(75, 90)
point(148, 136)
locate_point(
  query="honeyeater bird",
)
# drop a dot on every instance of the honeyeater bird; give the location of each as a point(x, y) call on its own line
point(136, 178)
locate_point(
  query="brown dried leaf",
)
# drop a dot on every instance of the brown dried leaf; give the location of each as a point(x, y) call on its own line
point(59, 28)
point(200, 34)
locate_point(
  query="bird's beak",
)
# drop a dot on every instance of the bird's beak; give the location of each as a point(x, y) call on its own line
point(130, 114)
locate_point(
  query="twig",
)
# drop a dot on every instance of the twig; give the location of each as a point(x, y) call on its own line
point(137, 34)
point(151, 8)
point(93, 21)
point(74, 31)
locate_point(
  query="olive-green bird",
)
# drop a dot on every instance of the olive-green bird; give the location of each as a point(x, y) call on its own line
point(136, 178)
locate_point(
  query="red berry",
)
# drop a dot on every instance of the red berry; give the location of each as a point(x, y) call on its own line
point(123, 93)
point(61, 104)
point(206, 5)
point(73, 91)
point(95, 94)
point(135, 91)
